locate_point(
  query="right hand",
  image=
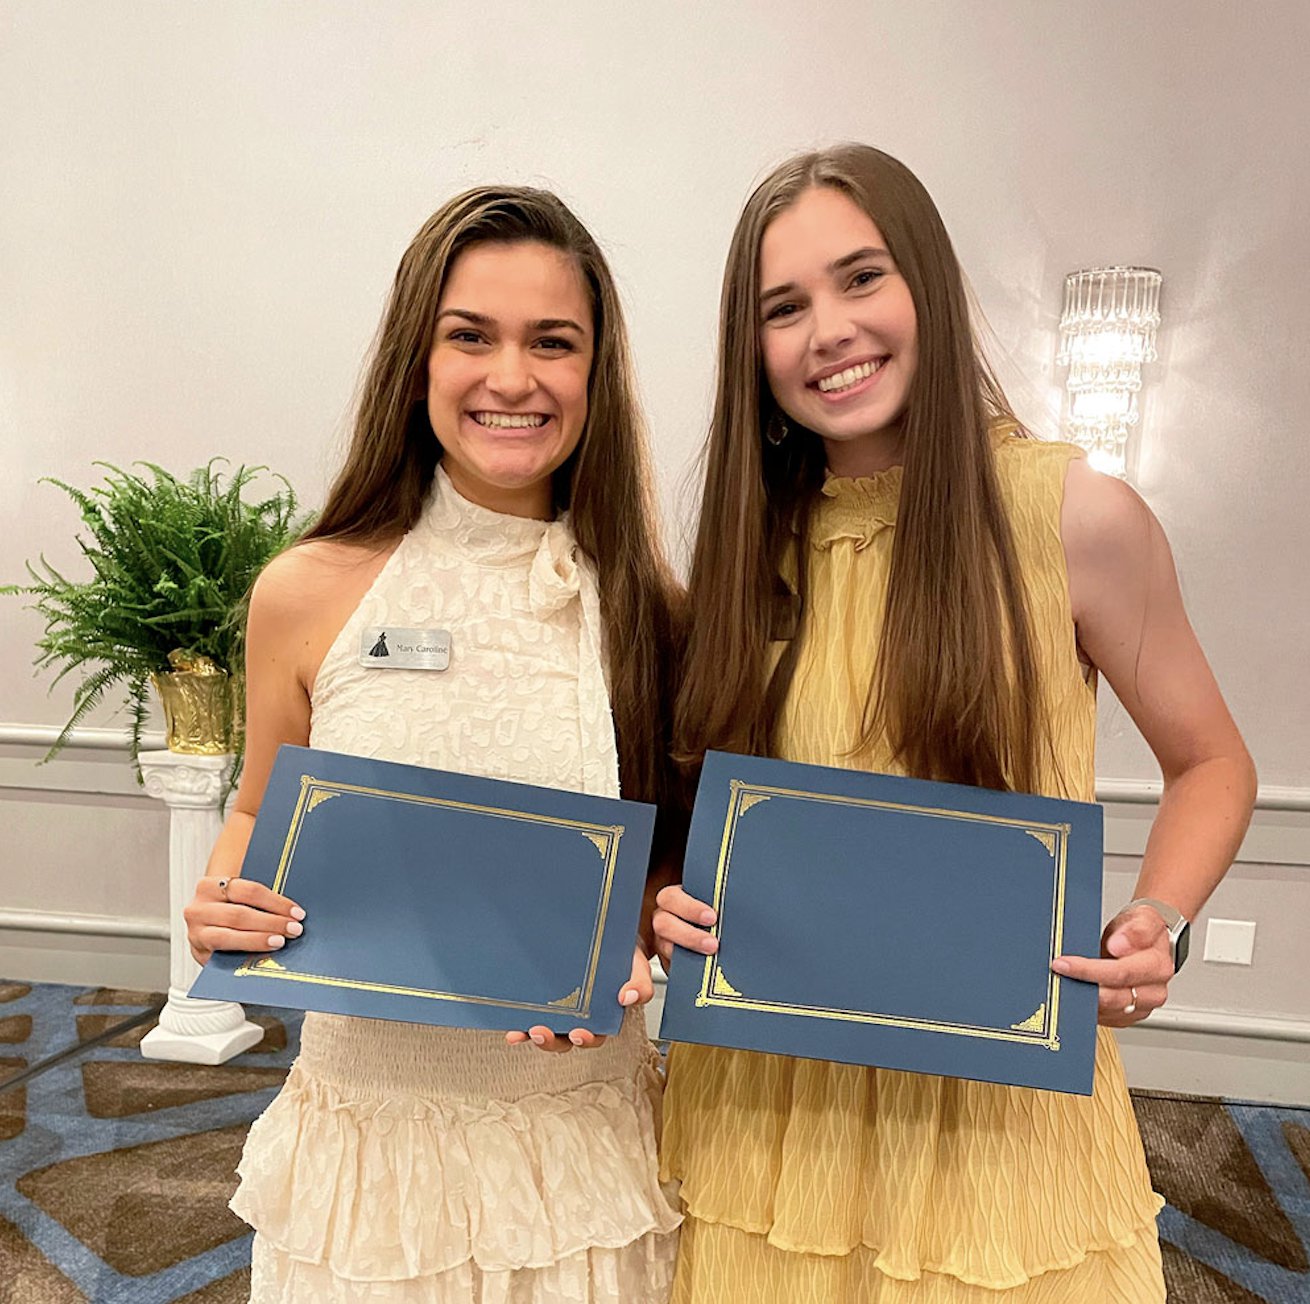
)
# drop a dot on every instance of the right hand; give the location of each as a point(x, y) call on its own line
point(253, 918)
point(681, 920)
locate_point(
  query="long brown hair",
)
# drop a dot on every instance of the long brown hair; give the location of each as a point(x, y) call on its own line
point(605, 483)
point(955, 687)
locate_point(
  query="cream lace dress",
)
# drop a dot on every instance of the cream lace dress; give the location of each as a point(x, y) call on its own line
point(403, 1163)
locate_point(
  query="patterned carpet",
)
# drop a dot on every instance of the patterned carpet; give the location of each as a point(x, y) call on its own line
point(115, 1171)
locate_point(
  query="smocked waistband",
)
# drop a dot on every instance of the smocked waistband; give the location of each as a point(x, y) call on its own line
point(369, 1058)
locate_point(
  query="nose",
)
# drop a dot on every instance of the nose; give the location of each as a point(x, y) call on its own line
point(510, 375)
point(832, 328)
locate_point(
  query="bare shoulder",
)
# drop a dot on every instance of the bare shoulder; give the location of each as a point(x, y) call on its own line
point(1103, 520)
point(312, 575)
point(1115, 551)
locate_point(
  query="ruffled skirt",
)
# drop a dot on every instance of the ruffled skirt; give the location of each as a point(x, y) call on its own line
point(816, 1183)
point(402, 1163)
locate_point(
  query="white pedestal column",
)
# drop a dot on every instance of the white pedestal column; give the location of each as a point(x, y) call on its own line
point(195, 1032)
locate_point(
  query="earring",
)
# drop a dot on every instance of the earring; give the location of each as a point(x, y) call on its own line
point(777, 430)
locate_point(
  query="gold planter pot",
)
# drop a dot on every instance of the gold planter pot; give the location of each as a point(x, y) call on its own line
point(202, 706)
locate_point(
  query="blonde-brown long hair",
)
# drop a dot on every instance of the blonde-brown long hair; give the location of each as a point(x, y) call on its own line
point(380, 491)
point(955, 687)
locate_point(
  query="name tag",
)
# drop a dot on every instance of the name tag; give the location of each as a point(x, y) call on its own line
point(390, 648)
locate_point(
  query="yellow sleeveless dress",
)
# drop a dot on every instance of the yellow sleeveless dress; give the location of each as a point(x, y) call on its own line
point(815, 1183)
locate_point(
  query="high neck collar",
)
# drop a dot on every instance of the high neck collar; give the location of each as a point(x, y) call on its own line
point(861, 507)
point(855, 507)
point(478, 532)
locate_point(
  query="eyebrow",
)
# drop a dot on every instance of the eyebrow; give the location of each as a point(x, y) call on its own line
point(839, 265)
point(544, 324)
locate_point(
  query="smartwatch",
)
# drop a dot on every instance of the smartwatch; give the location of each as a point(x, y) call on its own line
point(1178, 927)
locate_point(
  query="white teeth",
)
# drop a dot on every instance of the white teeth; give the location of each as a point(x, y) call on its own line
point(845, 379)
point(508, 420)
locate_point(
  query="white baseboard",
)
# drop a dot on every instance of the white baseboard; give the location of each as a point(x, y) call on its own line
point(1242, 1066)
point(84, 960)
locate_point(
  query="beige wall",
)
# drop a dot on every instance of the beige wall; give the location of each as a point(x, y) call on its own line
point(204, 206)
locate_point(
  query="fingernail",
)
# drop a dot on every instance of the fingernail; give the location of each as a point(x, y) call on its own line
point(294, 929)
point(629, 996)
point(539, 1039)
point(708, 917)
point(1060, 966)
point(710, 945)
point(577, 1038)
point(275, 942)
point(297, 912)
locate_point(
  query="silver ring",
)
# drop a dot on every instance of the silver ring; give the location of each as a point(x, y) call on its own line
point(1131, 1007)
point(222, 887)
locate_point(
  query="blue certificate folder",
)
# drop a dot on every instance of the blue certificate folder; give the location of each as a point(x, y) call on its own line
point(891, 922)
point(441, 898)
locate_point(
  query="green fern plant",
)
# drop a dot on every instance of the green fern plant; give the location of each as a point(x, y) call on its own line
point(172, 563)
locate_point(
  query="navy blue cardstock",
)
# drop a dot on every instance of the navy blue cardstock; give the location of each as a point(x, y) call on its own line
point(877, 920)
point(442, 898)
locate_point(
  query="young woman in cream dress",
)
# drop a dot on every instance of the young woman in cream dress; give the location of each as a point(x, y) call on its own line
point(497, 489)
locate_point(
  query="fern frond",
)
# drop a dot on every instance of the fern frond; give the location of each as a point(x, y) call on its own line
point(172, 563)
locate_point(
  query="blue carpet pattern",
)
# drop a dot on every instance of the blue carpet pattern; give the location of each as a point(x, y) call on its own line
point(115, 1171)
point(103, 1156)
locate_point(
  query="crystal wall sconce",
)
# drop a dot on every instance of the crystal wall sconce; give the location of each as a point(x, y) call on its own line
point(1107, 331)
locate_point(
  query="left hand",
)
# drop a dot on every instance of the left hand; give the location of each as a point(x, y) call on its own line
point(636, 991)
point(1135, 969)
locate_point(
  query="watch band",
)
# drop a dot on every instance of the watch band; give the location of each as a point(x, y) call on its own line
point(1176, 924)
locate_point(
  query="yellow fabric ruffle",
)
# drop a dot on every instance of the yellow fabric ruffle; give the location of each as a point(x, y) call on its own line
point(711, 1255)
point(808, 1182)
point(906, 1174)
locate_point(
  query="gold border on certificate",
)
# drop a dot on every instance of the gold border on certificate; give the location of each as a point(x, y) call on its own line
point(314, 792)
point(1040, 1028)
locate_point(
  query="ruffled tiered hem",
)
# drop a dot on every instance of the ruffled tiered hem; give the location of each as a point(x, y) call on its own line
point(828, 1182)
point(458, 1198)
point(712, 1254)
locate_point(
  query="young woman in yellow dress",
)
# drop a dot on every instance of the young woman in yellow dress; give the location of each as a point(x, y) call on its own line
point(916, 586)
point(496, 489)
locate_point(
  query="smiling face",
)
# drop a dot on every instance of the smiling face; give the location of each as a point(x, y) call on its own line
point(838, 331)
point(508, 373)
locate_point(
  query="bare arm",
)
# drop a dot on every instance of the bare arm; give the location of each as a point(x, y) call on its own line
point(1132, 626)
point(296, 608)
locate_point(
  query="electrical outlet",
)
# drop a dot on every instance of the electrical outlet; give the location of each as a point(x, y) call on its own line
point(1230, 941)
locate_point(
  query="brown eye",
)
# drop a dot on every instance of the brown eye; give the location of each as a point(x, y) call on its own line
point(866, 277)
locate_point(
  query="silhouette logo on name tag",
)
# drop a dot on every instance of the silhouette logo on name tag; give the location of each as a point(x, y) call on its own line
point(389, 648)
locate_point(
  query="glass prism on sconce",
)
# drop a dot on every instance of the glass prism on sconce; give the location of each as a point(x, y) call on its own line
point(1107, 331)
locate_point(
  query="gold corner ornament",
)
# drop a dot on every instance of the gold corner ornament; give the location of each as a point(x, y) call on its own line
point(750, 800)
point(571, 1001)
point(601, 841)
point(1045, 837)
point(318, 797)
point(1034, 1022)
point(267, 962)
point(722, 987)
